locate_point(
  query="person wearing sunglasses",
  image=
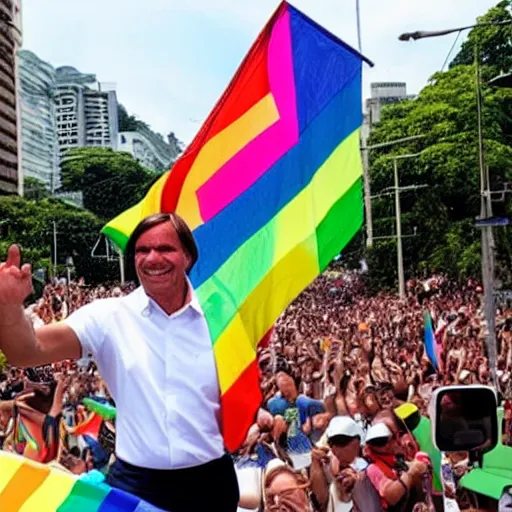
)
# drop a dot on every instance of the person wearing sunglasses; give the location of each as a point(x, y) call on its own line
point(338, 478)
point(397, 483)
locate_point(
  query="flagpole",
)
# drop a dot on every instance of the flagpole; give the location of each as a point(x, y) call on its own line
point(358, 18)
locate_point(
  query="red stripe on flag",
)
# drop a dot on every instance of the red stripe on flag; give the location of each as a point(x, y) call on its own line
point(240, 403)
point(249, 85)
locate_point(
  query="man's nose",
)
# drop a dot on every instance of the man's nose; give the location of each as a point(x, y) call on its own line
point(153, 255)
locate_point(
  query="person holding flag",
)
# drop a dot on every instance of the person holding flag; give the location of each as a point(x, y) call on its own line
point(154, 351)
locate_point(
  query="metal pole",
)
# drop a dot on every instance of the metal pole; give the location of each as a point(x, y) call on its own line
point(365, 153)
point(367, 198)
point(487, 236)
point(358, 19)
point(121, 266)
point(55, 248)
point(398, 213)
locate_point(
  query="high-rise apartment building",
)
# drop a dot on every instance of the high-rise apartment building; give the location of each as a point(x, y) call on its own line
point(150, 149)
point(86, 111)
point(39, 147)
point(10, 40)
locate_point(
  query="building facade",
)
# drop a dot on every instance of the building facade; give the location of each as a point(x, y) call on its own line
point(384, 93)
point(39, 144)
point(150, 149)
point(85, 110)
point(10, 40)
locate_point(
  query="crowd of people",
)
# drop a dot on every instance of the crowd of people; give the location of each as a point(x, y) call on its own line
point(344, 378)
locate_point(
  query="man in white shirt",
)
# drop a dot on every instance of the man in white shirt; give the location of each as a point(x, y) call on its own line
point(154, 351)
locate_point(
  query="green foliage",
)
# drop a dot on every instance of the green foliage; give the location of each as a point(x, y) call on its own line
point(443, 213)
point(128, 123)
point(110, 181)
point(30, 224)
point(35, 189)
point(494, 43)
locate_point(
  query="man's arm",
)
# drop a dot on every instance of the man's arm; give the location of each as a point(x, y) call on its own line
point(18, 341)
point(24, 347)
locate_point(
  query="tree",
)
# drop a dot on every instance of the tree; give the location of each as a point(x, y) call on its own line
point(444, 213)
point(127, 122)
point(494, 43)
point(35, 189)
point(110, 181)
point(30, 224)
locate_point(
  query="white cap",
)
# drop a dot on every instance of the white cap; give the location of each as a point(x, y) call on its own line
point(378, 431)
point(343, 426)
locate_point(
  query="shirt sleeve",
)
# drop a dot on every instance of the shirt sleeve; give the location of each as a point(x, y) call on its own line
point(275, 406)
point(377, 478)
point(88, 324)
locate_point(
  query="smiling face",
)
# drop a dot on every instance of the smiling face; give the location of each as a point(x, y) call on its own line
point(160, 261)
point(286, 386)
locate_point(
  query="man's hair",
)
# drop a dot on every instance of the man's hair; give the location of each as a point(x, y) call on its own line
point(183, 231)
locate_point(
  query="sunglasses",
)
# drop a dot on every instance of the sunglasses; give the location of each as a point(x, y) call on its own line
point(379, 442)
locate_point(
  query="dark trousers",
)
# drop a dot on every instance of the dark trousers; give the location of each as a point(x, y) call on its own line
point(212, 486)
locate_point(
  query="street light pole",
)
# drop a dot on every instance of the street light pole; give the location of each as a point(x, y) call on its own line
point(367, 197)
point(365, 150)
point(398, 214)
point(55, 249)
point(485, 197)
point(398, 219)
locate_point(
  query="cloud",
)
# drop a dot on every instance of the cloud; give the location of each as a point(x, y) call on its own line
point(172, 59)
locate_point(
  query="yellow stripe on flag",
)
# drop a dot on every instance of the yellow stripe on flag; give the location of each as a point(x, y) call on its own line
point(51, 494)
point(262, 308)
point(23, 483)
point(219, 150)
point(9, 465)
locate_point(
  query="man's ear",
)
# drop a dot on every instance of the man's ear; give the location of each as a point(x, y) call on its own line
point(188, 262)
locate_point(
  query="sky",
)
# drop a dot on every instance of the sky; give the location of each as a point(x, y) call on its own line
point(172, 59)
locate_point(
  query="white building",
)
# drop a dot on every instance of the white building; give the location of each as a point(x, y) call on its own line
point(149, 149)
point(86, 111)
point(39, 147)
point(383, 93)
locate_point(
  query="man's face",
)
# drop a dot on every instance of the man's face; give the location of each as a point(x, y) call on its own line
point(160, 259)
point(347, 454)
point(286, 386)
point(386, 398)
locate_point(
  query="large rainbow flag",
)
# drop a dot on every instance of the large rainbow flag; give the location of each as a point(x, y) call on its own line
point(271, 187)
point(27, 486)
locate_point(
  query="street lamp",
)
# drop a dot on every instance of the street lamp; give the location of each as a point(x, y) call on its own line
point(485, 194)
point(422, 34)
point(503, 80)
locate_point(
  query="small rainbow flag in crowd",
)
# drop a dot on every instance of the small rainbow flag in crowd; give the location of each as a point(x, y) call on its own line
point(271, 187)
point(429, 338)
point(27, 486)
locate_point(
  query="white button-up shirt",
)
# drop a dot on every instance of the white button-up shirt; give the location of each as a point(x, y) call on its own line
point(161, 372)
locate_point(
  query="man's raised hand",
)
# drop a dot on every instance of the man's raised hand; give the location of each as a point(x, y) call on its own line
point(15, 282)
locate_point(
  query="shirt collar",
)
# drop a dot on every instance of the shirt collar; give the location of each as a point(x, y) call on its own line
point(146, 303)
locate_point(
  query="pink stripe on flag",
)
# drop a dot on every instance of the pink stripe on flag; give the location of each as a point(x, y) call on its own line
point(250, 163)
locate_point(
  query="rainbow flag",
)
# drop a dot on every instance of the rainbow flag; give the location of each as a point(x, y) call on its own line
point(27, 486)
point(271, 187)
point(429, 339)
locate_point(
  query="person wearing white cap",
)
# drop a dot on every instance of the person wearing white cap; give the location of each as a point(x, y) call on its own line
point(397, 486)
point(335, 480)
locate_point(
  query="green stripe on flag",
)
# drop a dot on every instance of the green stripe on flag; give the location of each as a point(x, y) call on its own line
point(343, 221)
